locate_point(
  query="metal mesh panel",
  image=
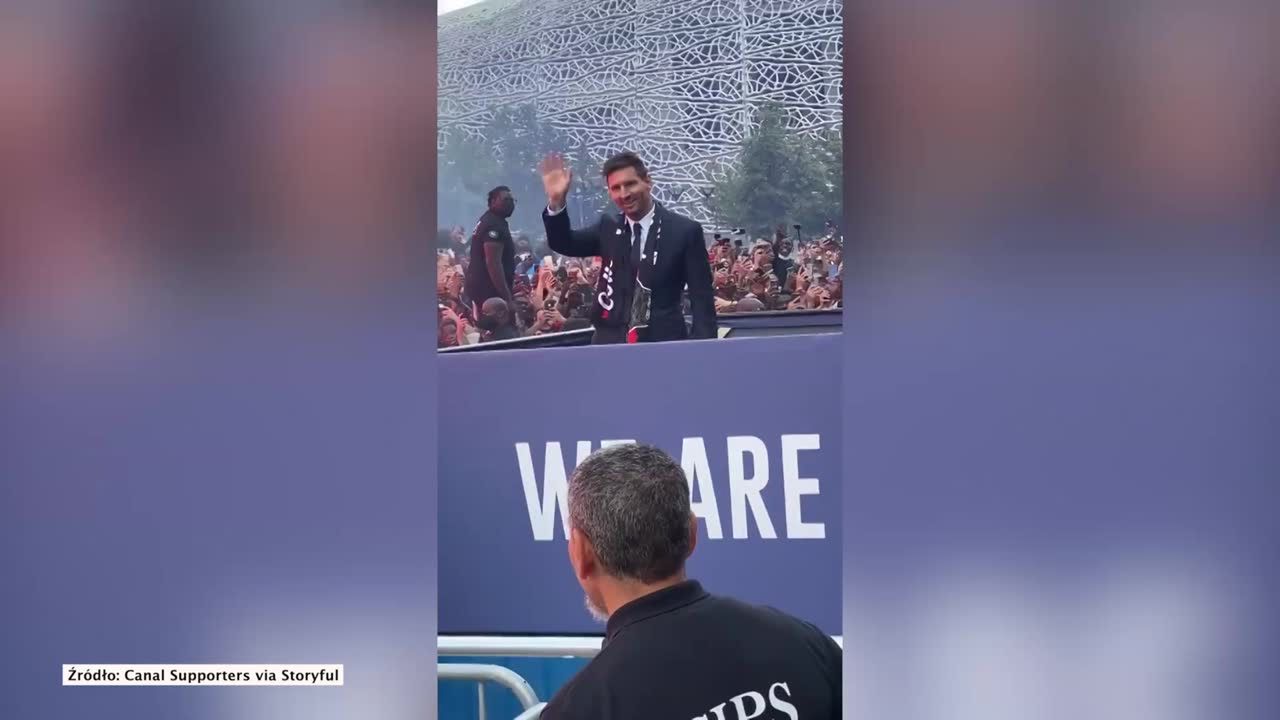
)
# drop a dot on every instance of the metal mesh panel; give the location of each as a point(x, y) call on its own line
point(673, 80)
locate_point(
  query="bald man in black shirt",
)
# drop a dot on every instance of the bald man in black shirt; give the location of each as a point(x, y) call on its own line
point(671, 649)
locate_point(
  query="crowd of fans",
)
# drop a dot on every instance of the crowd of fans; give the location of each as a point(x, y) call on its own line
point(784, 273)
point(553, 293)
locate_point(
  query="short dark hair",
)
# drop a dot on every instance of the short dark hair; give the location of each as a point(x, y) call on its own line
point(494, 305)
point(494, 193)
point(632, 503)
point(622, 160)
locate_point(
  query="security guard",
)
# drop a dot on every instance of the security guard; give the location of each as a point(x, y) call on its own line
point(671, 649)
point(493, 252)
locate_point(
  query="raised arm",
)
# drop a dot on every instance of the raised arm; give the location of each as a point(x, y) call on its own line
point(561, 237)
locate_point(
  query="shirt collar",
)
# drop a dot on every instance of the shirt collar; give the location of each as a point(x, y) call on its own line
point(653, 605)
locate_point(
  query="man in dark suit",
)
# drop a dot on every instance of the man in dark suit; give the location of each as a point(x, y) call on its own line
point(649, 254)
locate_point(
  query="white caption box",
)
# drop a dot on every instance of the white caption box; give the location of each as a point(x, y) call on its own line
point(204, 675)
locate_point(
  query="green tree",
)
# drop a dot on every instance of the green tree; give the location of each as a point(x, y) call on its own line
point(466, 170)
point(514, 142)
point(831, 146)
point(589, 197)
point(780, 177)
point(520, 141)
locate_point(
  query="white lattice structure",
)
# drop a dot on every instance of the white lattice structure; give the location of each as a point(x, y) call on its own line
point(673, 80)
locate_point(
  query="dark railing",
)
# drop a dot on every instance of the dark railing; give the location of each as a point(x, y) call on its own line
point(782, 322)
point(755, 324)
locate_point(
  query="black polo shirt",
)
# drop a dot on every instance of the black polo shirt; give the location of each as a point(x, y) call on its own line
point(682, 654)
point(491, 229)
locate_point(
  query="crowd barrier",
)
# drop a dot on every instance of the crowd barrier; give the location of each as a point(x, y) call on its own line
point(481, 674)
point(781, 322)
point(474, 660)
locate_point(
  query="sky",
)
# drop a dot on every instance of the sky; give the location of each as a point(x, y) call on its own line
point(445, 6)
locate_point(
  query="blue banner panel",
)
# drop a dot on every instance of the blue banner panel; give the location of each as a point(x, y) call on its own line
point(755, 423)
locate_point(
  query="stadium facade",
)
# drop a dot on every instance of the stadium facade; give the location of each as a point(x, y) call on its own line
point(674, 80)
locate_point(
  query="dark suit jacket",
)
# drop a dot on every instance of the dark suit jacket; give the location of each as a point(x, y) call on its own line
point(681, 259)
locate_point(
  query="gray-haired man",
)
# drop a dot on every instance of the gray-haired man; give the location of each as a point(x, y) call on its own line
point(671, 649)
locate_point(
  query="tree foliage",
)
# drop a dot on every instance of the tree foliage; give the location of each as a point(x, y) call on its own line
point(781, 178)
point(507, 151)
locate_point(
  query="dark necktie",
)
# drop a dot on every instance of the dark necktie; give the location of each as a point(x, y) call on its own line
point(640, 300)
point(637, 244)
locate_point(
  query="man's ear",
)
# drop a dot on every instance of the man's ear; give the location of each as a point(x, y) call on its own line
point(581, 555)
